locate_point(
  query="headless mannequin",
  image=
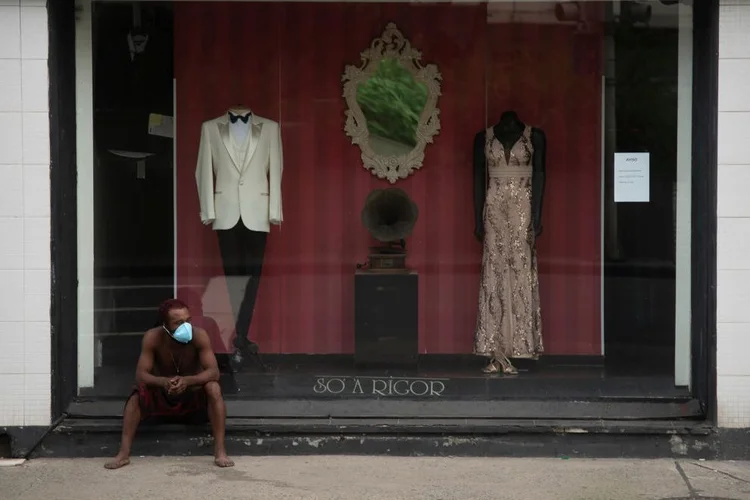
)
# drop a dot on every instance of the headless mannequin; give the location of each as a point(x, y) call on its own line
point(242, 251)
point(508, 130)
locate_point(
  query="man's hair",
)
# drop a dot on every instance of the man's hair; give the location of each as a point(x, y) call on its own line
point(165, 307)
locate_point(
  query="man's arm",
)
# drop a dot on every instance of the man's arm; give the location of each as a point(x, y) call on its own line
point(207, 360)
point(146, 363)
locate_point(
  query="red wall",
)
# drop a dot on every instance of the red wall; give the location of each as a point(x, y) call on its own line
point(286, 60)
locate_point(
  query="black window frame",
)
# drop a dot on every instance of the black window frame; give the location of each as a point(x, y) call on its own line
point(63, 203)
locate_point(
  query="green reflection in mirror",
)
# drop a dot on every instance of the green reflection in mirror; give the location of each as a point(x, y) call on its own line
point(392, 102)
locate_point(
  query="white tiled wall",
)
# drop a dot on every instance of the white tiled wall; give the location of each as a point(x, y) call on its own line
point(733, 252)
point(24, 215)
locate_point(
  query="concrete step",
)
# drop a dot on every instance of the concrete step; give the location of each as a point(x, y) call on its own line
point(397, 437)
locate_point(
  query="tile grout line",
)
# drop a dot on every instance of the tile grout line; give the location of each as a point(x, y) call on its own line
point(23, 209)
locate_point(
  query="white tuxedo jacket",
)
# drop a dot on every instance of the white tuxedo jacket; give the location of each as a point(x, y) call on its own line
point(229, 192)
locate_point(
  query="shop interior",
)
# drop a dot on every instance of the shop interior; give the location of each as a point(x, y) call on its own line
point(606, 270)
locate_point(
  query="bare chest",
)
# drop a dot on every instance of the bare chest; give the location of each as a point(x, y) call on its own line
point(171, 361)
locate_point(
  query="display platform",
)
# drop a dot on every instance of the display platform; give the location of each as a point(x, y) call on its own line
point(438, 377)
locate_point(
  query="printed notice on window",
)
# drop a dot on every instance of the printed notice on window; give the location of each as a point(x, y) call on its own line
point(631, 177)
point(161, 125)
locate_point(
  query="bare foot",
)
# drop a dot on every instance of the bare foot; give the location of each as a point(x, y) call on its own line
point(223, 461)
point(117, 462)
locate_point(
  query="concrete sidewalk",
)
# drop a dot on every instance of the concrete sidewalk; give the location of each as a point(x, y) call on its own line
point(386, 478)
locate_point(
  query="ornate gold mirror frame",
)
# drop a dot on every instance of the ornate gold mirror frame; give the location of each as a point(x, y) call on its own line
point(391, 46)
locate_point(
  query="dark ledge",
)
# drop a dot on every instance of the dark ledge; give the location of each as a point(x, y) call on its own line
point(460, 410)
point(412, 427)
point(645, 428)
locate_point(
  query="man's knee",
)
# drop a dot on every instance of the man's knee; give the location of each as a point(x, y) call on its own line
point(133, 406)
point(133, 401)
point(213, 391)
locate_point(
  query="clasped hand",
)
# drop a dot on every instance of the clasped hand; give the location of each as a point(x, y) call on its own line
point(176, 385)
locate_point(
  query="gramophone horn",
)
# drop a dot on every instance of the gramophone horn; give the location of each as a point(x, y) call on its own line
point(389, 214)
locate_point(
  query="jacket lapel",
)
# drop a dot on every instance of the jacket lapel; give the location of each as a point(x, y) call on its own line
point(255, 130)
point(224, 133)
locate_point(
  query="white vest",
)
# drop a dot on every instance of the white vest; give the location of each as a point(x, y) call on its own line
point(240, 136)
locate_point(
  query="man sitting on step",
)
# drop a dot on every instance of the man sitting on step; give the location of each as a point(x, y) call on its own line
point(177, 378)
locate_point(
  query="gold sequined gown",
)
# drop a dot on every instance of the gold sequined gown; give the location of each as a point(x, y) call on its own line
point(509, 322)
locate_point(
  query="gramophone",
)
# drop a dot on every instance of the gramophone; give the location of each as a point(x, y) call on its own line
point(386, 293)
point(389, 215)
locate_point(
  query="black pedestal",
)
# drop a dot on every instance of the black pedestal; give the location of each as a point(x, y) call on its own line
point(386, 318)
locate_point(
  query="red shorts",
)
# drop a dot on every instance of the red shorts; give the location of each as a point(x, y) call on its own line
point(155, 403)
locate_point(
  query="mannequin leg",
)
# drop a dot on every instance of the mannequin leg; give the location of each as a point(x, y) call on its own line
point(233, 247)
point(254, 243)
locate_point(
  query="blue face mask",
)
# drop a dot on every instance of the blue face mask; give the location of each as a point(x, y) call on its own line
point(183, 334)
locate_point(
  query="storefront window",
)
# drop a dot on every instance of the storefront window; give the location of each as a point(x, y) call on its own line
point(493, 201)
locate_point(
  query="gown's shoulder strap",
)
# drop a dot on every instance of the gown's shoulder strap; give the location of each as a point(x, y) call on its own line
point(527, 134)
point(489, 135)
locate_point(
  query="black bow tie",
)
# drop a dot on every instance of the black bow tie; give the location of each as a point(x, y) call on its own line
point(234, 117)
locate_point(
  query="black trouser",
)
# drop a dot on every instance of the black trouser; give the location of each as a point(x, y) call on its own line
point(242, 252)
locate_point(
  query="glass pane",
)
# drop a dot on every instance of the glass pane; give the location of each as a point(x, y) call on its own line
point(537, 223)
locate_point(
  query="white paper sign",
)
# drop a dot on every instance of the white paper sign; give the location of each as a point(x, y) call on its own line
point(161, 125)
point(632, 177)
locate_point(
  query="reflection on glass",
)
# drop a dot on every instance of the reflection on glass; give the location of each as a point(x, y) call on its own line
point(633, 304)
point(392, 102)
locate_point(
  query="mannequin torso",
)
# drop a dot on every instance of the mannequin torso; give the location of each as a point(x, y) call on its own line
point(240, 127)
point(508, 131)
